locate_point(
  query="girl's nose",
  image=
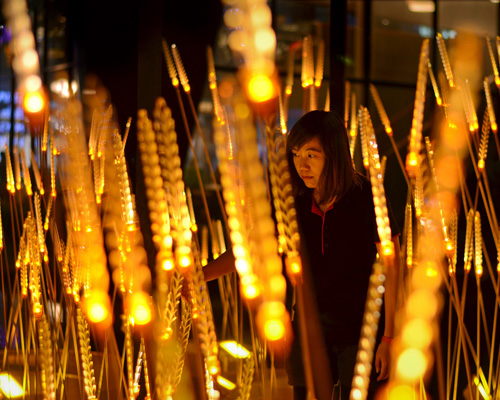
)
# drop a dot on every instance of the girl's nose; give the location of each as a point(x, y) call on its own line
point(304, 164)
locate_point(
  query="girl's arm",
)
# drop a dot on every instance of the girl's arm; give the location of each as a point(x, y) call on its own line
point(222, 265)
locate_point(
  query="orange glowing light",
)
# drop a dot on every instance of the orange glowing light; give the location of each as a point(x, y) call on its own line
point(251, 291)
point(412, 159)
point(33, 102)
point(494, 126)
point(213, 365)
point(402, 392)
point(260, 88)
point(274, 329)
point(388, 130)
point(37, 310)
point(497, 80)
point(168, 264)
point(140, 310)
point(97, 312)
point(480, 165)
point(411, 363)
point(439, 101)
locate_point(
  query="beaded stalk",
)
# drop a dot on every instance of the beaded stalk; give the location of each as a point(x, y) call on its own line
point(282, 115)
point(290, 70)
point(17, 167)
point(363, 137)
point(307, 75)
point(212, 79)
point(36, 172)
point(26, 174)
point(353, 131)
point(435, 88)
point(246, 379)
point(478, 245)
point(39, 228)
point(453, 239)
point(381, 110)
point(34, 269)
point(47, 359)
point(89, 384)
point(173, 184)
point(53, 153)
point(11, 184)
point(445, 59)
point(493, 60)
point(409, 235)
point(367, 340)
point(284, 204)
point(347, 99)
point(489, 103)
point(379, 201)
point(45, 132)
point(414, 156)
point(138, 369)
point(483, 147)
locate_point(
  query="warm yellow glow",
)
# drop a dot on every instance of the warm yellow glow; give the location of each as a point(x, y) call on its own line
point(439, 101)
point(37, 310)
point(251, 291)
point(411, 364)
point(494, 126)
point(417, 333)
point(402, 392)
point(33, 102)
point(9, 386)
point(235, 349)
point(288, 91)
point(225, 383)
point(213, 365)
point(97, 306)
point(97, 312)
point(140, 308)
point(497, 80)
point(412, 159)
point(387, 248)
point(260, 88)
point(480, 165)
point(274, 329)
point(183, 255)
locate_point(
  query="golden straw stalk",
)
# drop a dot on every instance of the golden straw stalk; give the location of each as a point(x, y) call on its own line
point(17, 167)
point(320, 64)
point(347, 99)
point(435, 87)
point(489, 103)
point(483, 147)
point(381, 110)
point(26, 174)
point(478, 245)
point(445, 59)
point(84, 349)
point(180, 69)
point(47, 359)
point(493, 60)
point(212, 79)
point(413, 157)
point(170, 64)
point(11, 185)
point(36, 172)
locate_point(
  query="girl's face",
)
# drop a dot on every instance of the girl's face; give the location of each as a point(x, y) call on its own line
point(309, 160)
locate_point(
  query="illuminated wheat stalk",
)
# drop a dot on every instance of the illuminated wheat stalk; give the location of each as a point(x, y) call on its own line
point(379, 200)
point(453, 239)
point(204, 246)
point(381, 110)
point(47, 359)
point(170, 64)
point(478, 245)
point(65, 269)
point(472, 108)
point(284, 204)
point(34, 270)
point(158, 213)
point(246, 379)
point(347, 99)
point(409, 236)
point(413, 157)
point(493, 60)
point(127, 205)
point(290, 70)
point(146, 371)
point(85, 355)
point(489, 103)
point(23, 258)
point(36, 172)
point(445, 59)
point(171, 308)
point(483, 147)
point(53, 152)
point(430, 157)
point(367, 340)
point(363, 137)
point(45, 129)
point(94, 132)
point(353, 131)
point(11, 184)
point(212, 79)
point(320, 64)
point(220, 236)
point(435, 87)
point(17, 168)
point(307, 76)
point(26, 174)
point(282, 115)
point(171, 171)
point(39, 228)
point(181, 345)
point(467, 107)
point(204, 321)
point(180, 69)
point(138, 369)
point(469, 241)
point(130, 360)
point(327, 100)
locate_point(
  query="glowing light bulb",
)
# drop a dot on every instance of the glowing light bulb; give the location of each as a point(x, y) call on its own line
point(97, 312)
point(260, 88)
point(411, 363)
point(274, 329)
point(140, 309)
point(33, 102)
point(251, 291)
point(480, 165)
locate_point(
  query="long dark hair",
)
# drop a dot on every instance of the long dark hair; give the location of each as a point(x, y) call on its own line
point(338, 173)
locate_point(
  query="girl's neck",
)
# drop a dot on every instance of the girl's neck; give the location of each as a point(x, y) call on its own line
point(325, 205)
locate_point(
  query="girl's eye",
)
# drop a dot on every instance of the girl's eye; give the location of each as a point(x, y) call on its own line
point(310, 155)
point(295, 154)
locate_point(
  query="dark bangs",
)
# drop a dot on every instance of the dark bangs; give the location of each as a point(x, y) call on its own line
point(338, 174)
